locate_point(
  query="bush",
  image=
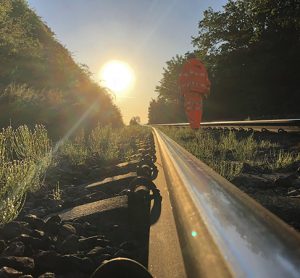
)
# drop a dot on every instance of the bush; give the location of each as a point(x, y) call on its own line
point(25, 156)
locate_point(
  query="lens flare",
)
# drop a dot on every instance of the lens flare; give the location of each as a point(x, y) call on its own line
point(194, 233)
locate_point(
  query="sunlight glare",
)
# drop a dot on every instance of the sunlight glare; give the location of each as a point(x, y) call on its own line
point(117, 76)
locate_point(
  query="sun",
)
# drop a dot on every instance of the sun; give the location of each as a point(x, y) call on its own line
point(117, 76)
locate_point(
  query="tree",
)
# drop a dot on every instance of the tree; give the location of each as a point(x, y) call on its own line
point(251, 49)
point(168, 85)
point(162, 111)
point(135, 120)
point(168, 107)
point(39, 80)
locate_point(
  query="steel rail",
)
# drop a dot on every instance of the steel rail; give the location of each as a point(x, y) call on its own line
point(222, 231)
point(290, 125)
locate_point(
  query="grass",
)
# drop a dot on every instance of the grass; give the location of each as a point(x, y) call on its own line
point(57, 192)
point(25, 156)
point(227, 154)
point(104, 144)
point(281, 159)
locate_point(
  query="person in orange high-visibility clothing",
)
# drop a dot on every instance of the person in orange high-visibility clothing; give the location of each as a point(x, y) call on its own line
point(194, 85)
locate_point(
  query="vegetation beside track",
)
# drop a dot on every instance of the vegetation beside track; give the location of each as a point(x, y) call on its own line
point(227, 154)
point(24, 158)
point(104, 144)
point(27, 157)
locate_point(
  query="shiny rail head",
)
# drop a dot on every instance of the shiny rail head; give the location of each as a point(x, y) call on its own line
point(239, 237)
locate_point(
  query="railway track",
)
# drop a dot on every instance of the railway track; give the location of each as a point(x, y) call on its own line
point(194, 223)
point(280, 125)
point(209, 228)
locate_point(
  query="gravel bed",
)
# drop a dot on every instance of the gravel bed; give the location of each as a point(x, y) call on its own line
point(39, 244)
point(277, 190)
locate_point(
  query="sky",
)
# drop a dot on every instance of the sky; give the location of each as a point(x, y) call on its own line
point(145, 34)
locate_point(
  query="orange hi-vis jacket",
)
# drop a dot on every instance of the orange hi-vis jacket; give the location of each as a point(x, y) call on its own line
point(194, 84)
point(194, 78)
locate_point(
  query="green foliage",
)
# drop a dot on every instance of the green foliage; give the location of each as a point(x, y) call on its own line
point(31, 145)
point(15, 37)
point(251, 49)
point(104, 145)
point(20, 104)
point(212, 151)
point(168, 107)
point(57, 192)
point(77, 154)
point(281, 159)
point(226, 154)
point(245, 23)
point(163, 111)
point(168, 85)
point(242, 150)
point(25, 156)
point(39, 80)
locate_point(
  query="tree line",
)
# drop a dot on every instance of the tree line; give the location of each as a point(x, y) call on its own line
point(251, 51)
point(39, 80)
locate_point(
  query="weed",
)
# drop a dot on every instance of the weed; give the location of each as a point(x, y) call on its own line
point(227, 169)
point(282, 159)
point(76, 153)
point(105, 144)
point(226, 154)
point(24, 158)
point(264, 144)
point(57, 192)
